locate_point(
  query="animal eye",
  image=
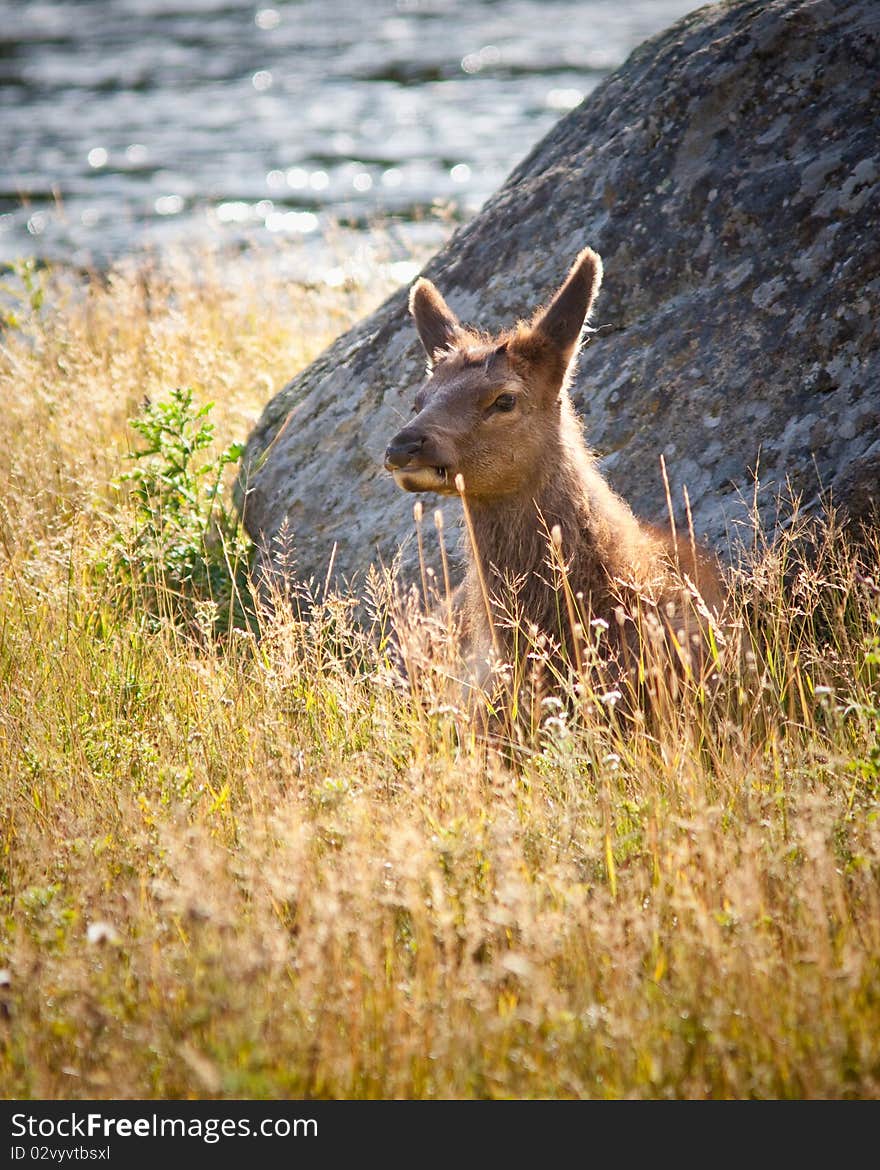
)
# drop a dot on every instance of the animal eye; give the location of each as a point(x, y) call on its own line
point(504, 402)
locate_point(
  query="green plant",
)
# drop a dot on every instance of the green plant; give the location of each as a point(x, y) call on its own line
point(24, 299)
point(187, 553)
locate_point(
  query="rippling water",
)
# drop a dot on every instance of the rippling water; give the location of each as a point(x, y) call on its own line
point(134, 123)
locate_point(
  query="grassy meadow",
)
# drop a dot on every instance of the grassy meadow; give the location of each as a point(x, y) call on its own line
point(239, 859)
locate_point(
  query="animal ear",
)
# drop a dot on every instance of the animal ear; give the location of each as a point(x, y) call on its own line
point(561, 322)
point(437, 324)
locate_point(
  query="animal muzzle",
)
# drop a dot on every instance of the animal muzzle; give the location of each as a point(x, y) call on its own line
point(415, 464)
point(403, 449)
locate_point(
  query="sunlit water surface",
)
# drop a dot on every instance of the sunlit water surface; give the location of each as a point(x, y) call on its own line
point(142, 123)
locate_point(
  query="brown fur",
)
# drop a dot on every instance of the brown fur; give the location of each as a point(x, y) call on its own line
point(496, 412)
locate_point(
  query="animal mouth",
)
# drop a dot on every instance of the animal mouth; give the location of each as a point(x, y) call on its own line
point(423, 479)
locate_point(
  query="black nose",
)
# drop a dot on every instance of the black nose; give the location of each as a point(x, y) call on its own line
point(401, 449)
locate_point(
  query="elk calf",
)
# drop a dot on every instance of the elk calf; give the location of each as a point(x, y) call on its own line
point(552, 548)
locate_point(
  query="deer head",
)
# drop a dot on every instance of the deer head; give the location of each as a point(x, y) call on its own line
point(490, 408)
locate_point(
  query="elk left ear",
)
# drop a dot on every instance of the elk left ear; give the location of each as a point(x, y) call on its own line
point(561, 322)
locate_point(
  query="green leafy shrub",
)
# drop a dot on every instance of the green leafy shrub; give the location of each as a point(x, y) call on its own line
point(22, 297)
point(185, 554)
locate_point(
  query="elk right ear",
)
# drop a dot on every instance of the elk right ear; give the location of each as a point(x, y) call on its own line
point(548, 344)
point(563, 319)
point(437, 324)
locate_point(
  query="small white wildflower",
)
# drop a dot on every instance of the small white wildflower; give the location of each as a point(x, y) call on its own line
point(102, 932)
point(554, 723)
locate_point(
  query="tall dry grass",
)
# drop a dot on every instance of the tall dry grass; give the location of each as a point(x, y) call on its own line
point(264, 866)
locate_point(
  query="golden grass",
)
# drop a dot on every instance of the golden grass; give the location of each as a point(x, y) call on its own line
point(267, 869)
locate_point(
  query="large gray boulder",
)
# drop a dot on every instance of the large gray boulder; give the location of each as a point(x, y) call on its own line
point(729, 175)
